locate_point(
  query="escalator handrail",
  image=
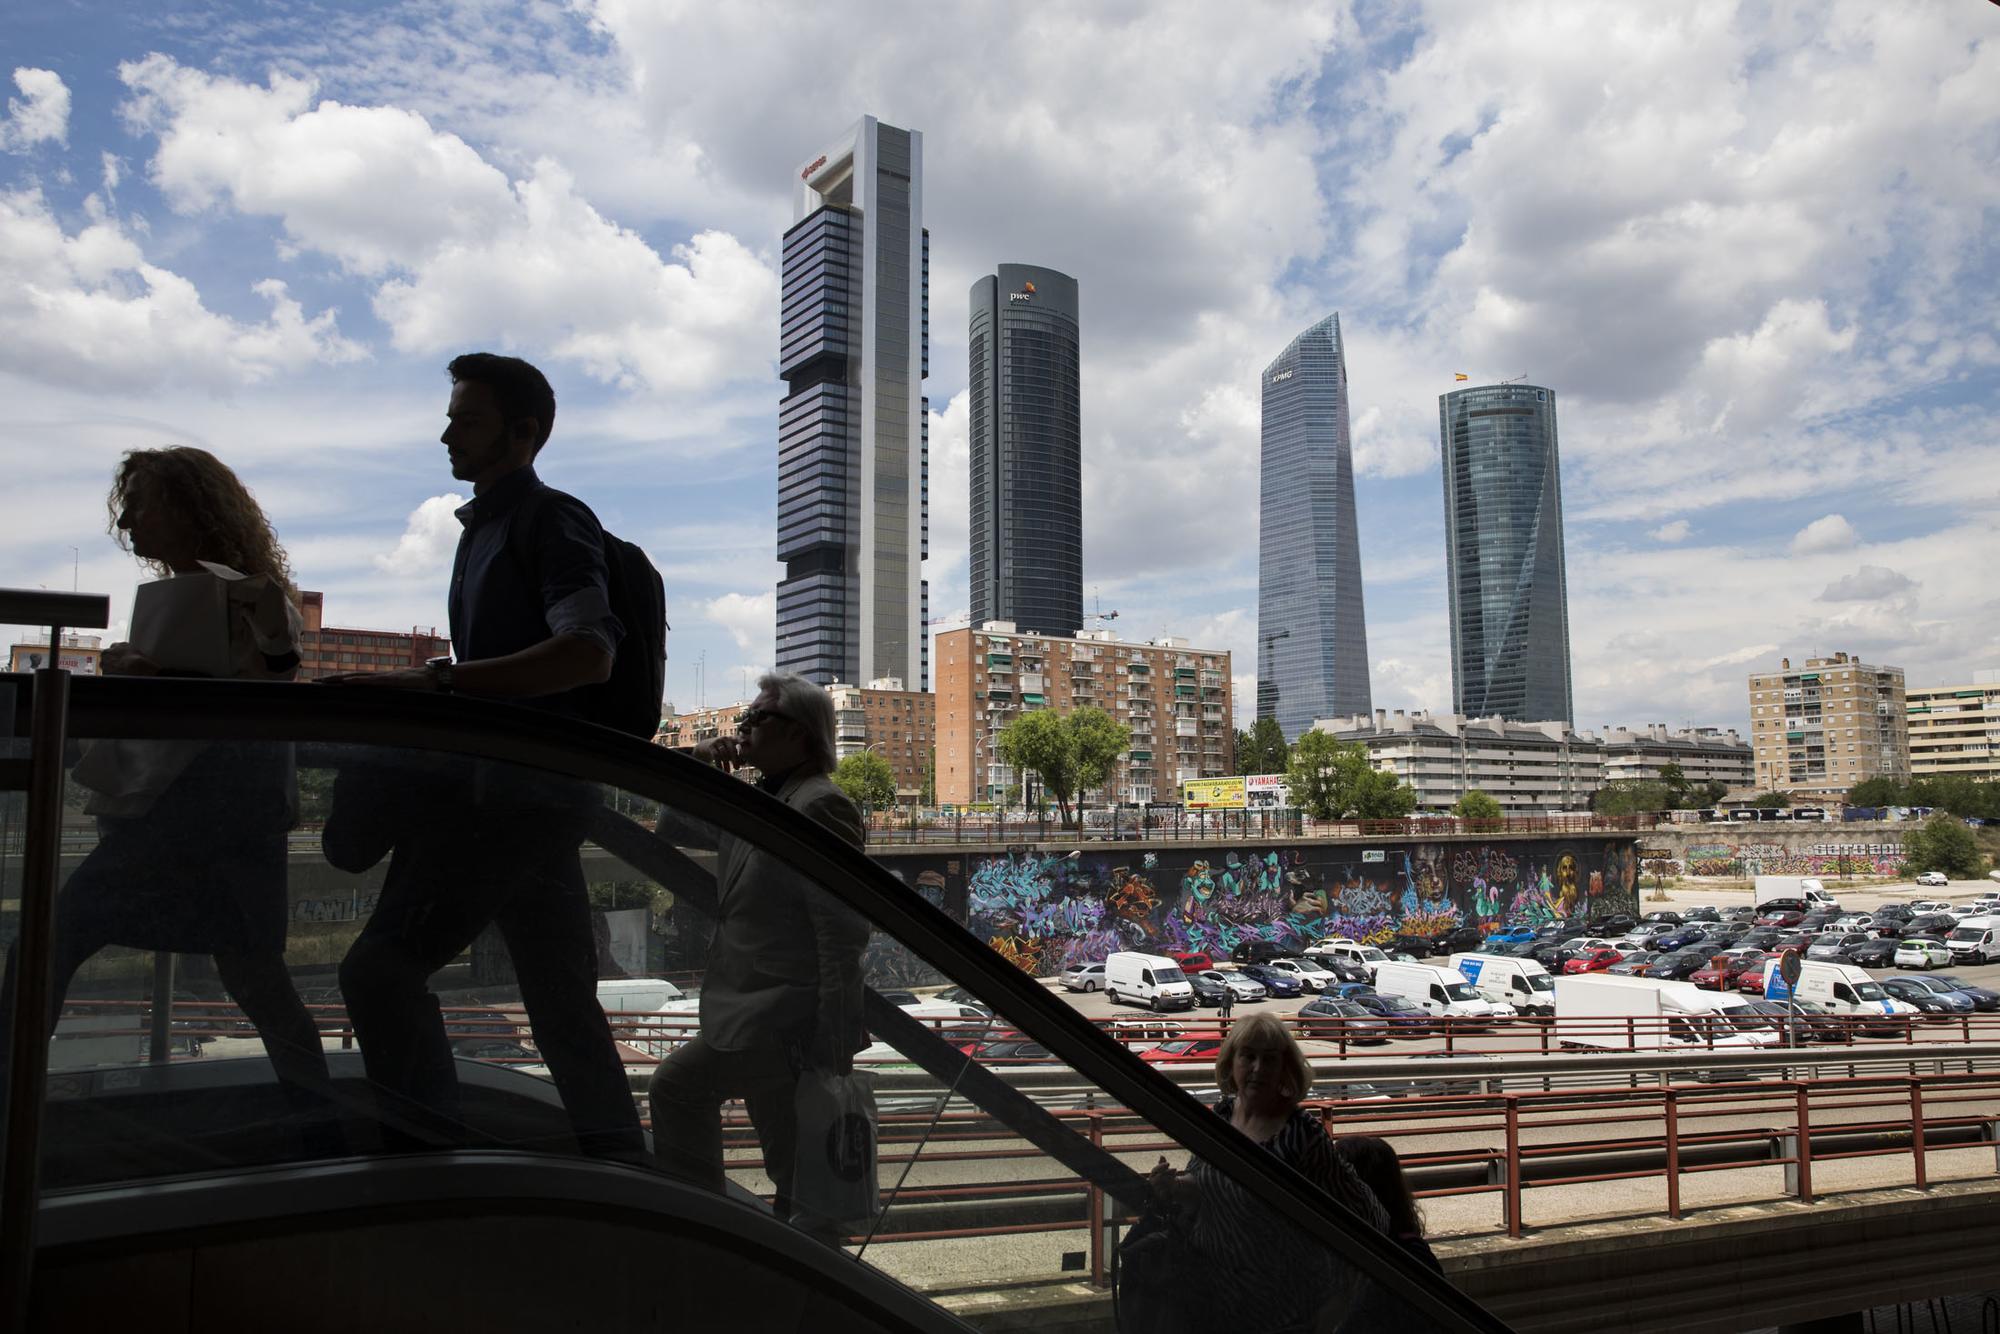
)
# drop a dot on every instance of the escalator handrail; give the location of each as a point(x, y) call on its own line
point(128, 707)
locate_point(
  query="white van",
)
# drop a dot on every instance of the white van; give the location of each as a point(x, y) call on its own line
point(1521, 983)
point(1610, 1011)
point(671, 1015)
point(1839, 987)
point(1367, 956)
point(1974, 940)
point(1439, 990)
point(1147, 979)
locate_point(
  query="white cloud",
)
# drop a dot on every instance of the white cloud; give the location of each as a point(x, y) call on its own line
point(1676, 531)
point(464, 256)
point(1830, 533)
point(751, 621)
point(1870, 583)
point(40, 114)
point(428, 541)
point(88, 309)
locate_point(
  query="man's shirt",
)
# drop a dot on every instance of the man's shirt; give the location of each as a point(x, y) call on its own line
point(530, 565)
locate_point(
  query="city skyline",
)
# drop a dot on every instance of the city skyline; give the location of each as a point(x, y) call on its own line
point(1777, 368)
point(1505, 576)
point(1025, 449)
point(1312, 627)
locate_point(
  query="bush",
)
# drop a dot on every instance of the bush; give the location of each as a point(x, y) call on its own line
point(1944, 843)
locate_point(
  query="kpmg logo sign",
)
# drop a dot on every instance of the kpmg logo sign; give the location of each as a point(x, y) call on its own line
point(1281, 377)
point(812, 167)
point(1027, 291)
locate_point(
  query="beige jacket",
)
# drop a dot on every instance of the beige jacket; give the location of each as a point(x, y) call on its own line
point(786, 954)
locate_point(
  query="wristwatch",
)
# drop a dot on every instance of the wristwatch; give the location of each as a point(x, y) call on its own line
point(440, 672)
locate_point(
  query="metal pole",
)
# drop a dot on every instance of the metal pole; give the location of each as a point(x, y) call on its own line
point(1917, 1131)
point(1673, 1115)
point(40, 863)
point(161, 1019)
point(1097, 1238)
point(1805, 1145)
point(1513, 1195)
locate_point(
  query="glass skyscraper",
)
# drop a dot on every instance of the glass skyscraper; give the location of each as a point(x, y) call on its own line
point(853, 427)
point(1027, 451)
point(1504, 553)
point(1312, 638)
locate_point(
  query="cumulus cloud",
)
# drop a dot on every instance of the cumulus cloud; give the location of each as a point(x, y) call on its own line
point(1870, 583)
point(750, 620)
point(463, 254)
point(40, 114)
point(1676, 531)
point(88, 309)
point(1830, 533)
point(429, 538)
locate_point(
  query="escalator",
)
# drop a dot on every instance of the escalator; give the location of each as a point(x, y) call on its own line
point(203, 1192)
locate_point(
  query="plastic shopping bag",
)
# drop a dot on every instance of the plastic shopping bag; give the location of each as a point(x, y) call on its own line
point(835, 1178)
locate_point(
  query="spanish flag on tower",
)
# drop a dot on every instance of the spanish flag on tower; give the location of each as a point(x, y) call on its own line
point(1460, 375)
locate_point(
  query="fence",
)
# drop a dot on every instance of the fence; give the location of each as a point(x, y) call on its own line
point(909, 826)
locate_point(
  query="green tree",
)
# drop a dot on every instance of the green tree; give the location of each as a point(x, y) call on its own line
point(1329, 780)
point(1675, 780)
point(929, 795)
point(1070, 754)
point(1876, 792)
point(1262, 749)
point(1631, 796)
point(1100, 740)
point(867, 779)
point(1476, 805)
point(1943, 843)
point(1771, 801)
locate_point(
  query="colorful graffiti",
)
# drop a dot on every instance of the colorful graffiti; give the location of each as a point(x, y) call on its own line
point(1742, 860)
point(1045, 910)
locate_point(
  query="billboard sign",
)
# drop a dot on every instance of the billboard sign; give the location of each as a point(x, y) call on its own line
point(1267, 792)
point(1213, 794)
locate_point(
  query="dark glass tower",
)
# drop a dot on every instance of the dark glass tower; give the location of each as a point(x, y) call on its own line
point(1312, 637)
point(1504, 553)
point(853, 428)
point(1027, 451)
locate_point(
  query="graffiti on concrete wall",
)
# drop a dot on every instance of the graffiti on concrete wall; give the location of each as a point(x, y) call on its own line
point(1742, 860)
point(1045, 910)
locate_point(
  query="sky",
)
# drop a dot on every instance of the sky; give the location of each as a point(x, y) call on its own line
point(1753, 249)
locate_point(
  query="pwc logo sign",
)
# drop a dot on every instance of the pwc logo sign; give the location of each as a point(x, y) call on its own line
point(1027, 291)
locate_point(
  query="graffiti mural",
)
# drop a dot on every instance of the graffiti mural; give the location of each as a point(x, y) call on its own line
point(1740, 861)
point(1045, 910)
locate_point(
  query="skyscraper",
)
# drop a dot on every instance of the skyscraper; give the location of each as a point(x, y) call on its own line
point(1027, 451)
point(853, 427)
point(1504, 553)
point(1312, 638)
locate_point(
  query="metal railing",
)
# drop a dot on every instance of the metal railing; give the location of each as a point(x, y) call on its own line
point(908, 826)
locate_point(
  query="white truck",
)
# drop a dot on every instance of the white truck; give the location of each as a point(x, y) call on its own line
point(1609, 1012)
point(1147, 979)
point(1974, 940)
point(1521, 983)
point(1840, 988)
point(1804, 888)
point(1439, 990)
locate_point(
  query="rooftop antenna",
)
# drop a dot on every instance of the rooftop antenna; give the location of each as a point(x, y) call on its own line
point(1517, 379)
point(1100, 615)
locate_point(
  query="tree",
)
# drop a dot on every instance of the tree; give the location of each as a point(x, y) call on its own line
point(1631, 796)
point(1771, 801)
point(929, 795)
point(1675, 780)
point(1069, 754)
point(1876, 792)
point(1262, 749)
point(1476, 805)
point(867, 779)
point(1943, 843)
point(1329, 780)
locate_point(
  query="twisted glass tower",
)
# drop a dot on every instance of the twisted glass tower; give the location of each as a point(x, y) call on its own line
point(1504, 553)
point(1027, 450)
point(1312, 638)
point(853, 428)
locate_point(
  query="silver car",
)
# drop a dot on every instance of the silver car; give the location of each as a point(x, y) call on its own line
point(1240, 987)
point(1083, 977)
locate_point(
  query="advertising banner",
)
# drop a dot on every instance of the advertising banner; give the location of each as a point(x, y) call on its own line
point(1213, 794)
point(1267, 792)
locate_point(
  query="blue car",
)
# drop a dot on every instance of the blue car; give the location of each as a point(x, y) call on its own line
point(1406, 1019)
point(1982, 998)
point(1680, 940)
point(1352, 990)
point(1513, 935)
point(1275, 982)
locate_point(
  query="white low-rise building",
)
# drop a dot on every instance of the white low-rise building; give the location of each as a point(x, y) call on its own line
point(1704, 754)
point(1526, 767)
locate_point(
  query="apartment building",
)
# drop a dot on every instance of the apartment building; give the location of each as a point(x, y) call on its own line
point(79, 655)
point(1704, 754)
point(685, 731)
point(1819, 729)
point(1176, 700)
point(1956, 729)
point(327, 650)
point(1525, 766)
point(897, 724)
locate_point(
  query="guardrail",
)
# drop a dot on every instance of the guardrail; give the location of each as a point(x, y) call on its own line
point(1178, 825)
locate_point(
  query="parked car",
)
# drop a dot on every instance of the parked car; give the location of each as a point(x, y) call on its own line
point(1681, 939)
point(1664, 917)
point(1984, 999)
point(1307, 972)
point(1724, 971)
point(1921, 906)
point(1801, 1021)
point(1931, 924)
point(1459, 941)
point(1646, 934)
point(1406, 1019)
point(1678, 967)
point(1548, 953)
point(1592, 961)
point(1612, 924)
point(1509, 936)
point(1938, 878)
point(1704, 913)
point(1351, 990)
point(1876, 953)
point(1763, 938)
point(1835, 944)
point(1331, 1018)
point(1210, 986)
point(1920, 953)
point(1276, 981)
point(1012, 1050)
point(1940, 1001)
point(1256, 951)
point(1083, 977)
point(1189, 1047)
point(1345, 969)
point(1415, 946)
point(1782, 917)
point(1191, 961)
point(1636, 962)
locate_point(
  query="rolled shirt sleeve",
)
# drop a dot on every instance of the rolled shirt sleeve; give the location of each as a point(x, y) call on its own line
point(576, 584)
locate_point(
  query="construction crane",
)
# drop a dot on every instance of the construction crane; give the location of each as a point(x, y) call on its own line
point(1100, 616)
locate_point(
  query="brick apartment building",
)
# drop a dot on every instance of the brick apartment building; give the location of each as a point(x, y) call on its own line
point(1820, 729)
point(897, 724)
point(326, 650)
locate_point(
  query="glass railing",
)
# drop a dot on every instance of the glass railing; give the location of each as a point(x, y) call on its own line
point(313, 924)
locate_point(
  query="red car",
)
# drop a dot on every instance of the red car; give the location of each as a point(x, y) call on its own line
point(1752, 982)
point(1592, 961)
point(1191, 961)
point(1198, 1046)
point(1783, 919)
point(1727, 970)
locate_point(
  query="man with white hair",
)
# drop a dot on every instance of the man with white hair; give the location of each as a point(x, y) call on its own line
point(782, 989)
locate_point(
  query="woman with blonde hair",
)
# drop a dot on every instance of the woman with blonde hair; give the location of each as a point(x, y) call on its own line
point(190, 856)
point(1269, 1279)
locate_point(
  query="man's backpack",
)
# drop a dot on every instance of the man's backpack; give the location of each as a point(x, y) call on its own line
point(629, 701)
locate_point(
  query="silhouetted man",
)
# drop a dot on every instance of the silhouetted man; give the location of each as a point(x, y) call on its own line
point(531, 622)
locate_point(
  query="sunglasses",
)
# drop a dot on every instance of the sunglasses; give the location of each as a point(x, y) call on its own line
point(749, 718)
